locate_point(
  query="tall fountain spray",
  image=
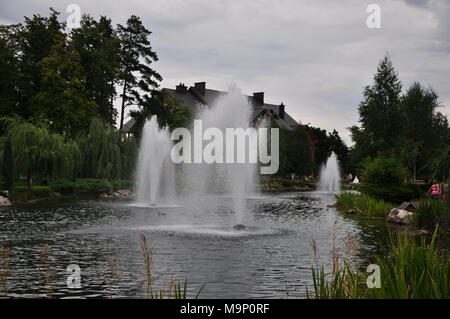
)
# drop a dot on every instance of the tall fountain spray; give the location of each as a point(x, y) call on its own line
point(155, 170)
point(330, 176)
point(234, 181)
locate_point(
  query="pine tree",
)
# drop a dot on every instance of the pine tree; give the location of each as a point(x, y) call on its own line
point(380, 116)
point(138, 78)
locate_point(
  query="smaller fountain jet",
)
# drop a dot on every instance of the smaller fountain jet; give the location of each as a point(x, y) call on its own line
point(155, 170)
point(330, 176)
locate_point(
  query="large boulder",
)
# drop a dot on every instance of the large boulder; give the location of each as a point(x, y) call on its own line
point(400, 216)
point(4, 201)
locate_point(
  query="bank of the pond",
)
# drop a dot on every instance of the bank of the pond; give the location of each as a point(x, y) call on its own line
point(61, 190)
point(414, 270)
point(425, 215)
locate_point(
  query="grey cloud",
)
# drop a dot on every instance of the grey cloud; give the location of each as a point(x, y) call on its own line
point(315, 56)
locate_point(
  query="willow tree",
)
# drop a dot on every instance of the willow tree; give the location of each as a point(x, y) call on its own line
point(36, 152)
point(106, 152)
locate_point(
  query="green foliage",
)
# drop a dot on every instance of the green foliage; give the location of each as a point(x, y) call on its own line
point(407, 126)
point(8, 165)
point(98, 46)
point(383, 171)
point(122, 184)
point(394, 194)
point(295, 151)
point(379, 112)
point(92, 186)
point(430, 212)
point(66, 79)
point(169, 111)
point(62, 98)
point(63, 186)
point(323, 144)
point(413, 271)
point(107, 153)
point(22, 193)
point(37, 152)
point(364, 204)
point(136, 57)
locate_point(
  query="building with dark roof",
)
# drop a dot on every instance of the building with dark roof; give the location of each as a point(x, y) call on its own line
point(199, 96)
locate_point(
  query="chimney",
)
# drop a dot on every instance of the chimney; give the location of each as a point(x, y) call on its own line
point(200, 87)
point(281, 111)
point(181, 88)
point(259, 97)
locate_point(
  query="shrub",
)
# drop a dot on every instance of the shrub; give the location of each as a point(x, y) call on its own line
point(62, 186)
point(366, 205)
point(25, 193)
point(92, 186)
point(430, 212)
point(122, 184)
point(383, 171)
point(394, 194)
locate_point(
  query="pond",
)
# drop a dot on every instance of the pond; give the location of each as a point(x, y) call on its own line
point(271, 258)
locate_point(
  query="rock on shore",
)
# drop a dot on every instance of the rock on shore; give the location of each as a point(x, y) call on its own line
point(400, 216)
point(4, 201)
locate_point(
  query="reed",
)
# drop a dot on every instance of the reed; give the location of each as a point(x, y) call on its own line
point(4, 269)
point(175, 289)
point(430, 212)
point(414, 270)
point(363, 204)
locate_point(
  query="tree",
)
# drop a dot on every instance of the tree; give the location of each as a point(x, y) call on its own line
point(379, 114)
point(98, 46)
point(36, 152)
point(33, 42)
point(8, 165)
point(296, 154)
point(62, 99)
point(8, 79)
point(169, 111)
point(383, 171)
point(419, 120)
point(138, 78)
point(324, 143)
point(106, 152)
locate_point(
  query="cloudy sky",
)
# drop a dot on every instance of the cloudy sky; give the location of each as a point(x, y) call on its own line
point(315, 56)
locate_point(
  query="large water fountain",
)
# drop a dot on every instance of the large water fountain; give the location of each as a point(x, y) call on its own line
point(202, 185)
point(330, 175)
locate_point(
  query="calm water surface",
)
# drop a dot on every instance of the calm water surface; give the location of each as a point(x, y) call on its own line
point(272, 258)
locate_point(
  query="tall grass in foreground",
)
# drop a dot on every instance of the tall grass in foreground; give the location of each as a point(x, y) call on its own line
point(4, 269)
point(430, 212)
point(364, 204)
point(414, 270)
point(175, 289)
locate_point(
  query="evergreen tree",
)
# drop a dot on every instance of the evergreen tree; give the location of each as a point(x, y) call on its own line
point(137, 55)
point(99, 48)
point(379, 112)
